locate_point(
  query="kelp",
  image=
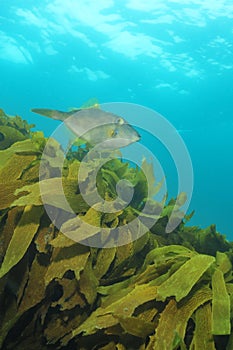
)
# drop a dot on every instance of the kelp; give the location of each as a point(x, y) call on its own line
point(162, 291)
point(180, 287)
point(221, 305)
point(12, 130)
point(203, 338)
point(22, 238)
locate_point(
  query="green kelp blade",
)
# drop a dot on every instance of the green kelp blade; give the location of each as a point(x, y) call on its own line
point(30, 195)
point(104, 259)
point(88, 283)
point(61, 241)
point(188, 306)
point(148, 170)
point(7, 194)
point(223, 262)
point(52, 191)
point(78, 230)
point(10, 221)
point(2, 113)
point(9, 135)
point(167, 253)
point(113, 292)
point(181, 199)
point(136, 326)
point(103, 318)
point(72, 258)
point(178, 343)
point(229, 287)
point(35, 289)
point(79, 142)
point(183, 280)
point(83, 227)
point(15, 167)
point(188, 217)
point(174, 205)
point(203, 338)
point(174, 318)
point(73, 169)
point(71, 296)
point(18, 147)
point(220, 305)
point(166, 329)
point(126, 305)
point(22, 237)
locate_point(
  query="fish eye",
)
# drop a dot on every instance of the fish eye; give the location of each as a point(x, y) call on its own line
point(120, 121)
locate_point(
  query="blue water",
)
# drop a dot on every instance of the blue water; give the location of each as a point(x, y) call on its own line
point(175, 57)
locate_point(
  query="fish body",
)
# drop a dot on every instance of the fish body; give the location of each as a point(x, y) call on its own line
point(96, 126)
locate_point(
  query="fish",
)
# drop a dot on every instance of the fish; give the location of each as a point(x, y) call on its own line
point(95, 126)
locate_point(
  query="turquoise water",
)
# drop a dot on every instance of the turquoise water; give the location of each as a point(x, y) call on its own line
point(175, 57)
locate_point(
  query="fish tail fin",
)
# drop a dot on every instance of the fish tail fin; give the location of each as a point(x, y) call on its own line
point(51, 113)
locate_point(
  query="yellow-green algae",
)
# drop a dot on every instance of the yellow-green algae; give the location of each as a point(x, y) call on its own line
point(161, 292)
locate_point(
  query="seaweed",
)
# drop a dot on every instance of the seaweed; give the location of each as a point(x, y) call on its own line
point(165, 291)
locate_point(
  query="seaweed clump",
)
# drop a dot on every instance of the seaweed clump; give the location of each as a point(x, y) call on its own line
point(162, 291)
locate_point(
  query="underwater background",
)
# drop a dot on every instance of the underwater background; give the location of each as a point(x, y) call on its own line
point(175, 57)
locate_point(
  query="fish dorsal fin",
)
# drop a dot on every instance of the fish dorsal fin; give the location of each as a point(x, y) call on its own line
point(91, 103)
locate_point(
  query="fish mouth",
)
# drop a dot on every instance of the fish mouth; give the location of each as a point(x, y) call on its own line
point(138, 136)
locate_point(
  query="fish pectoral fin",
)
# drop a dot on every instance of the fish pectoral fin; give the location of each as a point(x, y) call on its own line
point(50, 113)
